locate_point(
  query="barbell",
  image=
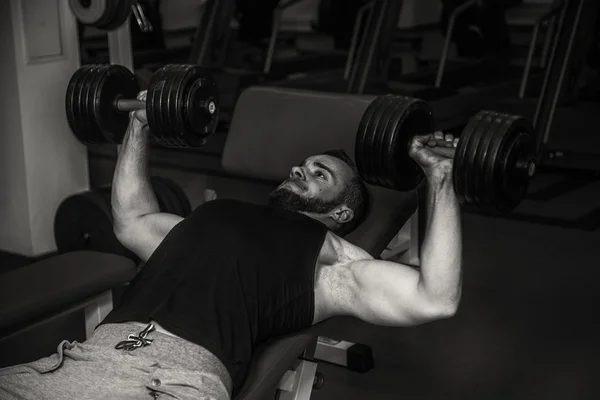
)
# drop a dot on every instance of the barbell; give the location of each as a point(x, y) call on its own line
point(181, 104)
point(492, 164)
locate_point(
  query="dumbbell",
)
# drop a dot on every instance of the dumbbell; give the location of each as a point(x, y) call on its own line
point(181, 104)
point(492, 164)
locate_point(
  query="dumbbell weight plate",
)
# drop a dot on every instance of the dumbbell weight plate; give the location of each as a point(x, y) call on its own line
point(168, 131)
point(200, 96)
point(363, 138)
point(109, 14)
point(155, 89)
point(116, 81)
point(414, 117)
point(91, 13)
point(120, 10)
point(475, 156)
point(517, 150)
point(388, 135)
point(374, 152)
point(491, 183)
point(380, 148)
point(175, 106)
point(458, 170)
point(86, 104)
point(72, 105)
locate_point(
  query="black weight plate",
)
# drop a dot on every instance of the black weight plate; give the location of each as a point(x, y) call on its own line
point(119, 16)
point(486, 167)
point(380, 147)
point(91, 13)
point(396, 142)
point(186, 130)
point(87, 103)
point(200, 107)
point(166, 130)
point(154, 94)
point(83, 222)
point(72, 105)
point(162, 131)
point(387, 138)
point(490, 182)
point(176, 106)
point(415, 118)
point(371, 140)
point(84, 116)
point(516, 153)
point(111, 10)
point(474, 158)
point(169, 138)
point(363, 137)
point(117, 82)
point(458, 169)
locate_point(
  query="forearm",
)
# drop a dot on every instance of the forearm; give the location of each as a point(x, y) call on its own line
point(132, 193)
point(441, 253)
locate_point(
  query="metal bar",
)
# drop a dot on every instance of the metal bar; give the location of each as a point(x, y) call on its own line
point(534, 36)
point(354, 43)
point(363, 78)
point(442, 65)
point(277, 15)
point(563, 70)
point(130, 104)
point(547, 40)
point(119, 46)
point(208, 33)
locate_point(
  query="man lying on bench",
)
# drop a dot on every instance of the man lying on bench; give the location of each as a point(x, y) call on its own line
point(232, 275)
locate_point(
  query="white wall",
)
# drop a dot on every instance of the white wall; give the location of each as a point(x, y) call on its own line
point(42, 162)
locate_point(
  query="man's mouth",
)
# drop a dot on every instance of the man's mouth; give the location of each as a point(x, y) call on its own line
point(296, 183)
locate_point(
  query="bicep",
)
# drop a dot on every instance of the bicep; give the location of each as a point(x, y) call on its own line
point(389, 293)
point(143, 235)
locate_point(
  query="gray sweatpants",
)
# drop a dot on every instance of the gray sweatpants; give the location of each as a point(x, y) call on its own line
point(168, 368)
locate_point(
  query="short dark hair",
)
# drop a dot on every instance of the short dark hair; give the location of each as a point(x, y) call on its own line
point(355, 194)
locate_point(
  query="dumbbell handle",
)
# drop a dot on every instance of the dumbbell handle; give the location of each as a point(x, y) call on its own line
point(130, 104)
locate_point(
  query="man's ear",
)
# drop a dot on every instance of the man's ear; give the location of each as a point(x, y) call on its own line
point(342, 215)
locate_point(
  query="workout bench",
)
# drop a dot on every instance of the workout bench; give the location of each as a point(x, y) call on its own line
point(272, 129)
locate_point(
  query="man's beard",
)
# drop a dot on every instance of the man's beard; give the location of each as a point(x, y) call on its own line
point(286, 199)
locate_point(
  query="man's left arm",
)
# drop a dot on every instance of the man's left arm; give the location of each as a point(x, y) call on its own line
point(393, 294)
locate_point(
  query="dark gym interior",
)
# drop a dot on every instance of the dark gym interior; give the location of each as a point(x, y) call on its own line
point(527, 323)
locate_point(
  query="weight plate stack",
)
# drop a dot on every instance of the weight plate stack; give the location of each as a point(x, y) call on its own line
point(383, 141)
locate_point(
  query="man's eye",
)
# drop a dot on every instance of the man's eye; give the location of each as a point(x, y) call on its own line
point(320, 174)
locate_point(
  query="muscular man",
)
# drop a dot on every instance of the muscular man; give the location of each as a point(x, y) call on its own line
point(232, 275)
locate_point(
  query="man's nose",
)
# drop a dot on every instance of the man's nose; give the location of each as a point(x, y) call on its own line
point(297, 173)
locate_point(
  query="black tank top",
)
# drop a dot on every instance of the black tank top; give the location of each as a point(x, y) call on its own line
point(228, 277)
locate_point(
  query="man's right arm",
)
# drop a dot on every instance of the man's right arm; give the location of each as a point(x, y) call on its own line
point(137, 221)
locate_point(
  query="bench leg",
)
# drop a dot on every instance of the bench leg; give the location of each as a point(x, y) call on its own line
point(96, 310)
point(298, 384)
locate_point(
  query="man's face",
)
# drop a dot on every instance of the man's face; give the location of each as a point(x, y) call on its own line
point(314, 187)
